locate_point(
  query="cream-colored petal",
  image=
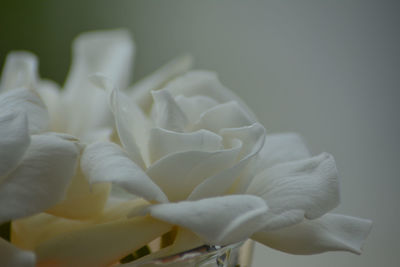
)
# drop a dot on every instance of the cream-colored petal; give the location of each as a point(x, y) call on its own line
point(107, 52)
point(194, 106)
point(205, 83)
point(252, 138)
point(168, 115)
point(101, 244)
point(83, 200)
point(178, 174)
point(311, 185)
point(26, 101)
point(219, 220)
point(11, 256)
point(106, 162)
point(140, 92)
point(14, 140)
point(227, 115)
point(281, 148)
point(132, 126)
point(20, 70)
point(41, 179)
point(331, 232)
point(163, 142)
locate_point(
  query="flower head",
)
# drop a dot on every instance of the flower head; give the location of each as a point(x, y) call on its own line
point(192, 161)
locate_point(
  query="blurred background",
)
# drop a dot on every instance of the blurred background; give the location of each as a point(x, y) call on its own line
point(328, 70)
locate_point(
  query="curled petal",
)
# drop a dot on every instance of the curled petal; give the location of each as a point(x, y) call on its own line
point(41, 179)
point(106, 162)
point(141, 90)
point(178, 174)
point(331, 232)
point(252, 138)
point(163, 142)
point(11, 256)
point(14, 140)
point(168, 114)
point(219, 220)
point(20, 70)
point(281, 148)
point(204, 83)
point(227, 115)
point(195, 106)
point(26, 101)
point(311, 185)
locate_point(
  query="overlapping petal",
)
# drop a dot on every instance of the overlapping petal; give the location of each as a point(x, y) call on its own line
point(14, 140)
point(220, 220)
point(11, 256)
point(106, 162)
point(329, 233)
point(42, 177)
point(310, 185)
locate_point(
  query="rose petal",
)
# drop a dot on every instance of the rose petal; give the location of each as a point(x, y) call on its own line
point(14, 140)
point(106, 162)
point(101, 244)
point(106, 52)
point(168, 114)
point(141, 90)
point(204, 83)
point(331, 232)
point(252, 138)
point(10, 256)
point(28, 233)
point(132, 126)
point(26, 101)
point(82, 200)
point(41, 179)
point(178, 174)
point(194, 106)
point(20, 70)
point(163, 142)
point(281, 148)
point(219, 220)
point(227, 115)
point(311, 185)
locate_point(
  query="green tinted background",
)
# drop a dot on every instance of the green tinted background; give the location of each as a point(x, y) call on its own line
point(326, 69)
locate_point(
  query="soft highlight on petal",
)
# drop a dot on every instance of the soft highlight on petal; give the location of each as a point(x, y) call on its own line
point(106, 162)
point(11, 256)
point(331, 232)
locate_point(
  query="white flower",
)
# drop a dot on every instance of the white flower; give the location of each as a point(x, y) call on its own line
point(35, 167)
point(196, 157)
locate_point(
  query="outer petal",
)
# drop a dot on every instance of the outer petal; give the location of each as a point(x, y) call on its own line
point(109, 53)
point(26, 101)
point(178, 174)
point(14, 140)
point(252, 138)
point(106, 162)
point(329, 233)
point(41, 179)
point(101, 244)
point(207, 84)
point(281, 148)
point(10, 256)
point(311, 185)
point(219, 220)
point(20, 70)
point(163, 142)
point(156, 80)
point(168, 114)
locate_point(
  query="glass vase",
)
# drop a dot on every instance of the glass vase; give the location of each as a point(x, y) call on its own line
point(235, 255)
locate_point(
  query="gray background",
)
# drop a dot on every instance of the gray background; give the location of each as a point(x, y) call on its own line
point(326, 69)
